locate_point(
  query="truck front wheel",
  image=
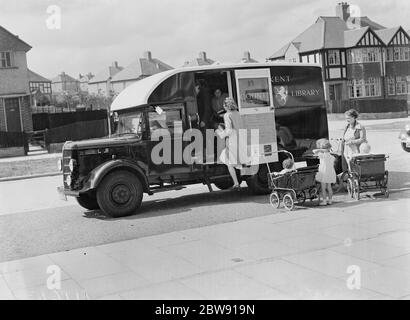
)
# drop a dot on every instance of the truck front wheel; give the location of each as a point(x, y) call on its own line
point(120, 194)
point(88, 202)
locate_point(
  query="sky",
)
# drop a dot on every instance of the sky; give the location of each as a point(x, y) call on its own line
point(95, 33)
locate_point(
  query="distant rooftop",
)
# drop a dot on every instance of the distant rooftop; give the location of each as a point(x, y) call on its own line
point(141, 68)
point(202, 60)
point(106, 74)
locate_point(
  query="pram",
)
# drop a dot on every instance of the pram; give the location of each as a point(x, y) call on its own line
point(367, 172)
point(295, 186)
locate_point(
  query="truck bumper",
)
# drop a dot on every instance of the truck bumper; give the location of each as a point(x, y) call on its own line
point(63, 194)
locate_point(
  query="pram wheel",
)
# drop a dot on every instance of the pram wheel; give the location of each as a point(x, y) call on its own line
point(385, 179)
point(356, 189)
point(313, 193)
point(274, 199)
point(288, 201)
point(301, 197)
point(386, 193)
point(350, 187)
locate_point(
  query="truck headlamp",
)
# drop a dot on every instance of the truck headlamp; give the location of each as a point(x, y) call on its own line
point(59, 165)
point(68, 180)
point(72, 164)
point(407, 128)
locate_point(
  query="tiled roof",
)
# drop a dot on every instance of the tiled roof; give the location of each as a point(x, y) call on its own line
point(9, 41)
point(386, 35)
point(330, 33)
point(63, 77)
point(281, 52)
point(35, 77)
point(106, 74)
point(352, 37)
point(141, 68)
point(366, 22)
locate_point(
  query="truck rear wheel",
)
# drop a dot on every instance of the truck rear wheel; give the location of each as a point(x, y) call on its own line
point(88, 202)
point(404, 146)
point(258, 183)
point(223, 184)
point(120, 194)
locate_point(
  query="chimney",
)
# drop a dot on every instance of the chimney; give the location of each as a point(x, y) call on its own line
point(115, 64)
point(343, 11)
point(148, 55)
point(202, 55)
point(247, 56)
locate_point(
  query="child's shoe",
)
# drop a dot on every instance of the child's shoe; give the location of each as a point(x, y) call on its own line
point(323, 203)
point(329, 202)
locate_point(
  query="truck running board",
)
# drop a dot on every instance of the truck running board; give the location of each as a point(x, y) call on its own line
point(166, 188)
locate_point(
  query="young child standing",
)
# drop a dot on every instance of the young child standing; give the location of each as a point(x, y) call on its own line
point(327, 174)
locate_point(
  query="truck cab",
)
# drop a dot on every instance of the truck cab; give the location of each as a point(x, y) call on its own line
point(163, 133)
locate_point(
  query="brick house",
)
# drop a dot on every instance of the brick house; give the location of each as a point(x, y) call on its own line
point(364, 63)
point(139, 69)
point(100, 85)
point(15, 111)
point(64, 83)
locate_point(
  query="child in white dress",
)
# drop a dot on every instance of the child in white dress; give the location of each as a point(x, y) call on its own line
point(327, 174)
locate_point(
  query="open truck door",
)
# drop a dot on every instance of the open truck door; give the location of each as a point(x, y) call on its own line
point(255, 102)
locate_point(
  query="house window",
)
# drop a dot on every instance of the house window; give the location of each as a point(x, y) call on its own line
point(333, 57)
point(400, 53)
point(389, 54)
point(360, 88)
point(363, 55)
point(45, 87)
point(5, 60)
point(401, 85)
point(391, 86)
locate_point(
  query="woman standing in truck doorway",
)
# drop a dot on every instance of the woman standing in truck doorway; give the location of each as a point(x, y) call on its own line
point(230, 155)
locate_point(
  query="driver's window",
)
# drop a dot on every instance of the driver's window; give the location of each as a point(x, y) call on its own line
point(168, 118)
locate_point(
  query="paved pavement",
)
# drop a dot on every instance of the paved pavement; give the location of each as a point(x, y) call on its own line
point(301, 255)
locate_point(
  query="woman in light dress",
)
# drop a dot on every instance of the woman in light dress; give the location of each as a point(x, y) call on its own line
point(231, 155)
point(354, 135)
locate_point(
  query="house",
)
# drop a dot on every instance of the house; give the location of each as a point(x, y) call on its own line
point(65, 83)
point(202, 60)
point(100, 85)
point(139, 69)
point(40, 88)
point(363, 62)
point(15, 111)
point(84, 80)
point(247, 58)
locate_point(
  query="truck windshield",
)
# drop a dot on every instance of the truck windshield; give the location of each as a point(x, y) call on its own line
point(130, 124)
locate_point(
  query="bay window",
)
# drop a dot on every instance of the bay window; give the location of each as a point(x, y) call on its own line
point(363, 55)
point(361, 88)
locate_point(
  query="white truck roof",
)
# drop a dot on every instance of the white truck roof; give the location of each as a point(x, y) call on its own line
point(138, 93)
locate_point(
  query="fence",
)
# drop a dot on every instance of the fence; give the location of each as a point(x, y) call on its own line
point(77, 131)
point(367, 106)
point(12, 139)
point(43, 121)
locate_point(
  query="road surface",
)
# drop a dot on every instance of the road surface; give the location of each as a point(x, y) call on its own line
point(33, 221)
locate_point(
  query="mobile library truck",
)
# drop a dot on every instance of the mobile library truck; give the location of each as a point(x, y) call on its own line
point(164, 133)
